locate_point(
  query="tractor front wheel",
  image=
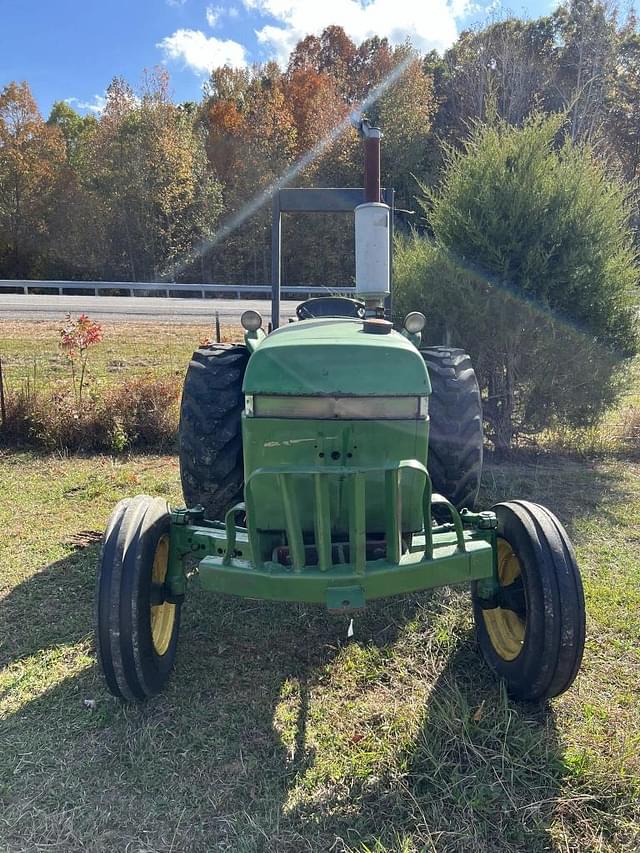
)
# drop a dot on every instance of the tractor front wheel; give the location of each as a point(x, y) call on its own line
point(534, 638)
point(136, 627)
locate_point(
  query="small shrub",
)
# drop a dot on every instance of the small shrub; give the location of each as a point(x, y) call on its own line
point(533, 271)
point(535, 369)
point(143, 410)
point(76, 338)
point(140, 413)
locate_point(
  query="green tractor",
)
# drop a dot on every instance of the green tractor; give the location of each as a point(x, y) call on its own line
point(335, 460)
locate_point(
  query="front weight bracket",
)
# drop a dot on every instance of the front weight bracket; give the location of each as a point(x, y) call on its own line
point(161, 594)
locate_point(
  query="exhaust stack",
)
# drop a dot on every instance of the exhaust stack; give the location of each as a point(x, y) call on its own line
point(372, 229)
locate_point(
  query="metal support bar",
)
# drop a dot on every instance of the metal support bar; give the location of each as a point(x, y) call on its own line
point(308, 200)
point(439, 500)
point(225, 291)
point(292, 520)
point(230, 530)
point(357, 525)
point(393, 515)
point(322, 521)
point(276, 262)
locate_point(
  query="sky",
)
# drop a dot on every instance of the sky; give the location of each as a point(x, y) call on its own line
point(71, 49)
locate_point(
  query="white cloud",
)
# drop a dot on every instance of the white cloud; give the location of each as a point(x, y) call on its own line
point(201, 53)
point(427, 23)
point(176, 3)
point(232, 11)
point(213, 15)
point(96, 106)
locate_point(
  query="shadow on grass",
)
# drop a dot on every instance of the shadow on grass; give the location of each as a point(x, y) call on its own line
point(246, 749)
point(481, 773)
point(52, 608)
point(576, 490)
point(212, 764)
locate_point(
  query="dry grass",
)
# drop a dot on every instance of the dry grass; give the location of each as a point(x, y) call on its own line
point(140, 412)
point(131, 395)
point(616, 435)
point(30, 351)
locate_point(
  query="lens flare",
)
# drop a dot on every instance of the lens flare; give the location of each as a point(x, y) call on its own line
point(235, 221)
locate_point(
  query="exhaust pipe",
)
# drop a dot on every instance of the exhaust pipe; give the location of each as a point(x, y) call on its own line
point(372, 230)
point(372, 189)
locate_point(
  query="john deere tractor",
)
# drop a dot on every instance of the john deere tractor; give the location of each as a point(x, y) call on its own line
point(335, 460)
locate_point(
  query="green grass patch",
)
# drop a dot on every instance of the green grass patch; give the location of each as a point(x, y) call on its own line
point(276, 732)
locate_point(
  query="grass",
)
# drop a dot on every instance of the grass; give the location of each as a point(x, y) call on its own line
point(30, 352)
point(129, 398)
point(276, 733)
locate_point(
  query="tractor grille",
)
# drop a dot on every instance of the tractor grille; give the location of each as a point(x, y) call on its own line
point(325, 554)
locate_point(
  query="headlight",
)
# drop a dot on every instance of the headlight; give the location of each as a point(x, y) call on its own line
point(251, 320)
point(334, 408)
point(414, 322)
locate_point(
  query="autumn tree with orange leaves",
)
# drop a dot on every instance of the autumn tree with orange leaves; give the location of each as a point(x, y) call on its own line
point(31, 156)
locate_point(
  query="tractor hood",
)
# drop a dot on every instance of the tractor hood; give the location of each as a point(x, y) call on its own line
point(335, 356)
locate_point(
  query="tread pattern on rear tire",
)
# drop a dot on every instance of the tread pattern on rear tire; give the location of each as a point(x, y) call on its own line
point(210, 436)
point(555, 630)
point(455, 429)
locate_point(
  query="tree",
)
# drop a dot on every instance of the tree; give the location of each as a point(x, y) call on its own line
point(151, 181)
point(374, 60)
point(315, 105)
point(623, 106)
point(506, 67)
point(77, 246)
point(73, 127)
point(586, 57)
point(334, 53)
point(536, 273)
point(405, 113)
point(31, 154)
point(251, 141)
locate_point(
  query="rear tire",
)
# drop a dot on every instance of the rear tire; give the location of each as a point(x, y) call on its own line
point(535, 646)
point(210, 435)
point(455, 428)
point(136, 642)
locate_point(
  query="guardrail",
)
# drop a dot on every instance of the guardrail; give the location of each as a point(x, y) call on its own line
point(170, 289)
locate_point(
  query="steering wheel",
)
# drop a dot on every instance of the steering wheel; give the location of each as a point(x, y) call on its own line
point(330, 306)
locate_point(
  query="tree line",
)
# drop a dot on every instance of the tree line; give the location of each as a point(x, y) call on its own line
point(139, 192)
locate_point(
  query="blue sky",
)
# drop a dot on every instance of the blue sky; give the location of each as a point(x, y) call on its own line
point(71, 49)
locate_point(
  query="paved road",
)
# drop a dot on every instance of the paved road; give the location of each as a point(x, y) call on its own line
point(134, 308)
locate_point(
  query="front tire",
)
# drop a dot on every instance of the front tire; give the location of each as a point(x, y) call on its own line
point(535, 641)
point(136, 640)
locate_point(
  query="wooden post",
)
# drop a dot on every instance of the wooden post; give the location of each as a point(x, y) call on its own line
point(3, 411)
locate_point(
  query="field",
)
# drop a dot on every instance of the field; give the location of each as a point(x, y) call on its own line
point(277, 733)
point(30, 351)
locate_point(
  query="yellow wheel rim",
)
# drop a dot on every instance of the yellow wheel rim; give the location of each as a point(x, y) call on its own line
point(505, 627)
point(163, 616)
